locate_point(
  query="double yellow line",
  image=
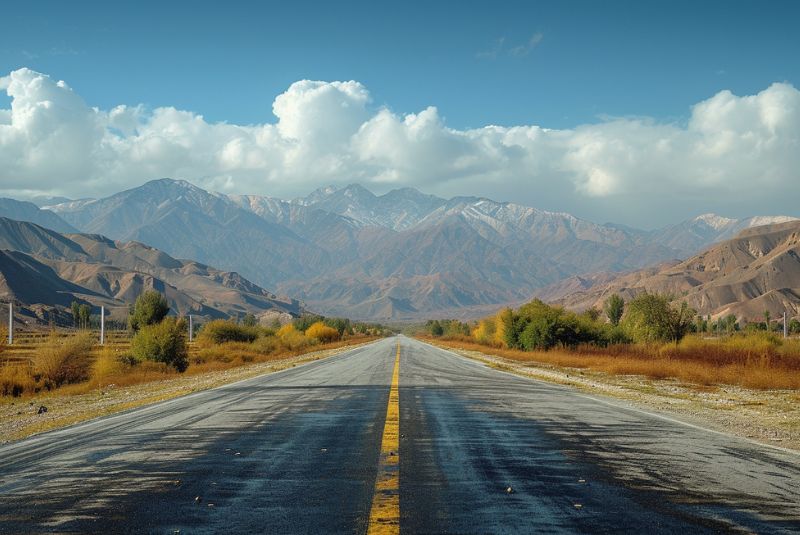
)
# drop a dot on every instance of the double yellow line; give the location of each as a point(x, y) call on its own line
point(384, 517)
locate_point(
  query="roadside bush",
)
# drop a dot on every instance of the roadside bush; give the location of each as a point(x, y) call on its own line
point(651, 318)
point(15, 380)
point(291, 338)
point(267, 345)
point(794, 327)
point(150, 308)
point(537, 325)
point(322, 333)
point(164, 342)
point(63, 360)
point(222, 331)
point(485, 331)
point(249, 320)
point(109, 363)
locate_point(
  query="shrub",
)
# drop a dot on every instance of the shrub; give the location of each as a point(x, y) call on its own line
point(108, 363)
point(306, 320)
point(15, 380)
point(249, 320)
point(150, 308)
point(651, 318)
point(322, 333)
point(267, 345)
point(485, 331)
point(291, 338)
point(435, 328)
point(285, 331)
point(502, 322)
point(63, 361)
point(342, 325)
point(164, 342)
point(794, 327)
point(614, 306)
point(221, 331)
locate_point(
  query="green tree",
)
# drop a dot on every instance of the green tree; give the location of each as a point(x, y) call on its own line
point(766, 320)
point(76, 314)
point(591, 314)
point(150, 308)
point(84, 315)
point(342, 325)
point(680, 321)
point(614, 306)
point(794, 326)
point(651, 318)
point(249, 320)
point(729, 323)
point(436, 328)
point(162, 342)
point(307, 320)
point(700, 325)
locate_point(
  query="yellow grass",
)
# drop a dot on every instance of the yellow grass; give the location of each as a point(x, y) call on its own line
point(752, 361)
point(73, 364)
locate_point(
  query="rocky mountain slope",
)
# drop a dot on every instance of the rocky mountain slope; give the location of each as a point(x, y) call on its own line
point(757, 270)
point(400, 255)
point(45, 267)
point(26, 211)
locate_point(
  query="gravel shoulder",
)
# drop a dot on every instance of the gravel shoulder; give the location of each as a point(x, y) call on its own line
point(20, 418)
point(765, 416)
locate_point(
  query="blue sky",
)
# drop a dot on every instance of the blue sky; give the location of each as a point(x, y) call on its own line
point(641, 113)
point(228, 61)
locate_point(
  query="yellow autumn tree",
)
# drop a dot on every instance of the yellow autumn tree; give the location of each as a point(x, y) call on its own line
point(501, 321)
point(484, 332)
point(291, 338)
point(322, 333)
point(286, 331)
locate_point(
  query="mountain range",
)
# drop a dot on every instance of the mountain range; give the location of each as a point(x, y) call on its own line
point(39, 266)
point(400, 255)
point(756, 271)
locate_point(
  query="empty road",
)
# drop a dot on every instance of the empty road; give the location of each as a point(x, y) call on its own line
point(423, 442)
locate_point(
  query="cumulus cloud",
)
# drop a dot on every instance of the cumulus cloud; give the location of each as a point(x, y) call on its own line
point(731, 147)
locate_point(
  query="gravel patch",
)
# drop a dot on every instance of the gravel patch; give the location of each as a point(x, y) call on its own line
point(765, 416)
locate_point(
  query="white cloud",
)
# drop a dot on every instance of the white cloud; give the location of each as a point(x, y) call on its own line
point(525, 49)
point(731, 147)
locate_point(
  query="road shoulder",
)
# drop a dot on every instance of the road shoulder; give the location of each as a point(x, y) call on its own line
point(21, 418)
point(766, 416)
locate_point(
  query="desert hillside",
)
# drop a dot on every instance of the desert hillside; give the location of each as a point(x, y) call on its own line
point(757, 271)
point(39, 266)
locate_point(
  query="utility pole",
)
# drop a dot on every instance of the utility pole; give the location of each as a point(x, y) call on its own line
point(191, 328)
point(10, 323)
point(102, 325)
point(785, 326)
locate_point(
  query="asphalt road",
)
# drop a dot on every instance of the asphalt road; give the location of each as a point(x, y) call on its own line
point(298, 452)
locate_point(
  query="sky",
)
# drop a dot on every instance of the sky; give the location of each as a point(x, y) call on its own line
point(641, 113)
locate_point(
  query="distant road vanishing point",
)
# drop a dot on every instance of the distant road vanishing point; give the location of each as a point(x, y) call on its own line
point(396, 436)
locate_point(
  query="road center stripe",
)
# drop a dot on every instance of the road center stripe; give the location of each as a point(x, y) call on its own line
point(384, 517)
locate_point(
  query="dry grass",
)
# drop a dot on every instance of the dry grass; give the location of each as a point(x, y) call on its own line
point(16, 380)
point(61, 361)
point(754, 361)
point(73, 364)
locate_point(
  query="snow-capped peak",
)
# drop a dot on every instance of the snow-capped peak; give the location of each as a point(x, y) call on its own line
point(757, 221)
point(715, 221)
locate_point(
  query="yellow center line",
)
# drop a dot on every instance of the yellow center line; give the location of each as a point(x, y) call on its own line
point(384, 517)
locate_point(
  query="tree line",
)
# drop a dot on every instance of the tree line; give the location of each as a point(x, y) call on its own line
point(647, 318)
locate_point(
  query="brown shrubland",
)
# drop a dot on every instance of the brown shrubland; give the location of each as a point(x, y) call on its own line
point(74, 363)
point(753, 360)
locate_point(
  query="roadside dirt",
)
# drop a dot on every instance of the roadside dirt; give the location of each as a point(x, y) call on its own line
point(766, 416)
point(20, 418)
